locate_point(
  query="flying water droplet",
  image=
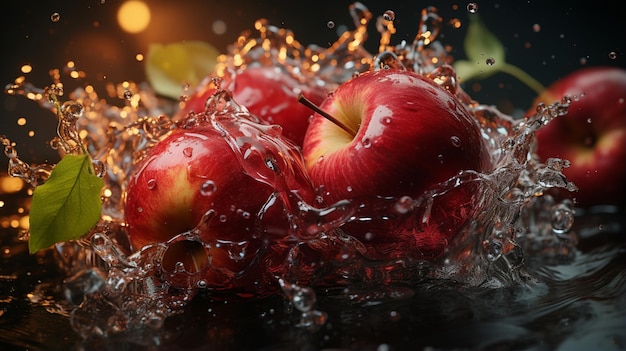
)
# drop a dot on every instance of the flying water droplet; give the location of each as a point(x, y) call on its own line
point(472, 7)
point(562, 219)
point(389, 15)
point(55, 17)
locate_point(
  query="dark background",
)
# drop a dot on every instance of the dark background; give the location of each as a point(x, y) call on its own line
point(572, 35)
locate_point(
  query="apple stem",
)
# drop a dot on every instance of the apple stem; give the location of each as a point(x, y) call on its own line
point(308, 103)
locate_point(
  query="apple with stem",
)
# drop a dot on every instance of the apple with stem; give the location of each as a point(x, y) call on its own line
point(268, 92)
point(592, 135)
point(392, 136)
point(211, 178)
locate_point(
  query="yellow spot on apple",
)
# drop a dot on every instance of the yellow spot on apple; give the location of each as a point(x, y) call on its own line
point(133, 16)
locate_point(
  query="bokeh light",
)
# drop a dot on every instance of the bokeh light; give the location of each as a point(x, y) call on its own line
point(133, 16)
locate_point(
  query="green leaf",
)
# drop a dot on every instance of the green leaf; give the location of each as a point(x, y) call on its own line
point(480, 45)
point(67, 205)
point(169, 67)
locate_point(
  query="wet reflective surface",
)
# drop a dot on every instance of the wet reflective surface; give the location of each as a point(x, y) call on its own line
point(576, 301)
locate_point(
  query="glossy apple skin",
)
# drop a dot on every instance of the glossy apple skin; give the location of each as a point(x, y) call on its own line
point(269, 93)
point(193, 171)
point(592, 135)
point(413, 135)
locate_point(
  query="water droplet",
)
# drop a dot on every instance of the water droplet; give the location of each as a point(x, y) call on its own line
point(208, 188)
point(490, 61)
point(404, 205)
point(367, 143)
point(188, 152)
point(303, 299)
point(472, 7)
point(389, 15)
point(612, 55)
point(562, 219)
point(271, 163)
point(151, 184)
point(128, 94)
point(493, 248)
point(72, 110)
point(455, 140)
point(566, 100)
point(330, 24)
point(99, 168)
point(179, 267)
point(55, 17)
point(536, 27)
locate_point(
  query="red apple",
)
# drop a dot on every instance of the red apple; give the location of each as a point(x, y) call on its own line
point(592, 135)
point(197, 173)
point(410, 135)
point(269, 93)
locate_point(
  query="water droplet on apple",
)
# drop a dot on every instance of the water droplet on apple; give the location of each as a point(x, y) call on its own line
point(223, 218)
point(589, 120)
point(188, 152)
point(367, 143)
point(151, 184)
point(349, 189)
point(208, 188)
point(566, 100)
point(179, 267)
point(387, 120)
point(455, 140)
point(541, 107)
point(202, 284)
point(139, 209)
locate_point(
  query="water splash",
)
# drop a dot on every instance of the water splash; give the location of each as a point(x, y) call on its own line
point(142, 288)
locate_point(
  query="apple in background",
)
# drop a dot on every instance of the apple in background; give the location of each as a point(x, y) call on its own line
point(401, 135)
point(269, 93)
point(189, 173)
point(592, 135)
